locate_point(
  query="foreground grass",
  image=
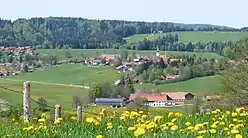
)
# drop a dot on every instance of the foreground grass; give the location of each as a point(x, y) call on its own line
point(51, 93)
point(72, 74)
point(197, 36)
point(133, 124)
point(77, 53)
point(202, 85)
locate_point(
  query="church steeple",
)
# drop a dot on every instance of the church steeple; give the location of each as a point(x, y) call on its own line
point(157, 53)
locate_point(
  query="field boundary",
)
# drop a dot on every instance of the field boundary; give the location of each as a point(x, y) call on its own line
point(48, 83)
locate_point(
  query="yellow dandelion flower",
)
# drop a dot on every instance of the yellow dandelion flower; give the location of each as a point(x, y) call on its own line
point(234, 114)
point(109, 127)
point(30, 128)
point(187, 123)
point(99, 136)
point(235, 119)
point(174, 127)
point(131, 128)
point(139, 132)
point(170, 114)
point(228, 112)
point(13, 119)
point(178, 114)
point(199, 137)
point(190, 127)
point(202, 132)
point(157, 118)
point(225, 129)
point(73, 118)
point(173, 120)
point(234, 131)
point(242, 114)
point(212, 131)
point(239, 109)
point(56, 121)
point(89, 120)
point(238, 136)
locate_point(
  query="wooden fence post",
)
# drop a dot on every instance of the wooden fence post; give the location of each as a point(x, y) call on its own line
point(79, 112)
point(26, 101)
point(57, 111)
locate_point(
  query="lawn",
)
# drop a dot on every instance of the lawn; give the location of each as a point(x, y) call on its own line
point(72, 74)
point(53, 94)
point(198, 86)
point(77, 53)
point(185, 37)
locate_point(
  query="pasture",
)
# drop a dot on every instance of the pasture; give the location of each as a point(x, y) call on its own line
point(76, 74)
point(196, 36)
point(82, 53)
point(198, 86)
point(51, 93)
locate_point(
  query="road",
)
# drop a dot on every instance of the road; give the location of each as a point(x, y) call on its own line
point(48, 83)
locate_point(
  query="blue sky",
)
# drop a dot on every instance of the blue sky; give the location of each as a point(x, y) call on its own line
point(220, 12)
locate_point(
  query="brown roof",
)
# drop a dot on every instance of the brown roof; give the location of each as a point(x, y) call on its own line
point(149, 96)
point(175, 95)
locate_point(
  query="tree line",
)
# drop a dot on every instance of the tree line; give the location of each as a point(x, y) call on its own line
point(190, 67)
point(58, 32)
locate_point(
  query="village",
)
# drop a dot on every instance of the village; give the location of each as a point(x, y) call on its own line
point(157, 99)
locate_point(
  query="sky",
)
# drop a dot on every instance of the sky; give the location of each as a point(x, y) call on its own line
point(231, 13)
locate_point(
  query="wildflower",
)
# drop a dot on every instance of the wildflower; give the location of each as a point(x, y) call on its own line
point(238, 136)
point(164, 127)
point(30, 128)
point(120, 127)
point(25, 121)
point(41, 120)
point(173, 120)
point(242, 114)
point(234, 131)
point(199, 137)
point(103, 112)
point(57, 121)
point(239, 109)
point(178, 114)
point(144, 116)
point(212, 131)
point(89, 120)
point(202, 132)
point(234, 114)
point(235, 119)
point(227, 112)
point(187, 123)
point(139, 132)
point(174, 127)
point(157, 118)
point(140, 112)
point(131, 128)
point(122, 117)
point(99, 136)
point(73, 118)
point(13, 119)
point(109, 127)
point(170, 114)
point(225, 129)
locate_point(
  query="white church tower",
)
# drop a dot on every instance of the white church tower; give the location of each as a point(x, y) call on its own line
point(157, 53)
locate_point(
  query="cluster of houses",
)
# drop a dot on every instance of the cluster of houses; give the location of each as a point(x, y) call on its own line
point(17, 50)
point(162, 99)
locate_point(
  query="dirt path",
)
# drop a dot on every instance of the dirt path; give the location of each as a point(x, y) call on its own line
point(48, 83)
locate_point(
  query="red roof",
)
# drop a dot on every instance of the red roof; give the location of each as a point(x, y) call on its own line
point(149, 96)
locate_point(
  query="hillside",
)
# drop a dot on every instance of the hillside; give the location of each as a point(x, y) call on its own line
point(78, 53)
point(83, 33)
point(197, 36)
point(198, 86)
point(71, 74)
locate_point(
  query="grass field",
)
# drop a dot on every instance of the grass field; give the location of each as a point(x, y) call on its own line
point(72, 74)
point(185, 37)
point(76, 53)
point(199, 86)
point(53, 94)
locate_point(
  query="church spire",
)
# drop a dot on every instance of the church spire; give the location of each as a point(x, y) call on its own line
point(157, 53)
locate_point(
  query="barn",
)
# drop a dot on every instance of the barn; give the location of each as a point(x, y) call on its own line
point(114, 102)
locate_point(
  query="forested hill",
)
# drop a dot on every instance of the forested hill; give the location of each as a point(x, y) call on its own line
point(81, 33)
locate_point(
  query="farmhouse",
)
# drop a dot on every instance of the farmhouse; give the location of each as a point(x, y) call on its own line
point(114, 102)
point(109, 56)
point(162, 99)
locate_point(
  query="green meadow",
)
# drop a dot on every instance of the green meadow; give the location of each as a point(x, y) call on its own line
point(198, 86)
point(196, 36)
point(77, 53)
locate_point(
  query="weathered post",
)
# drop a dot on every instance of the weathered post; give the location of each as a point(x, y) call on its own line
point(26, 101)
point(57, 111)
point(79, 112)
